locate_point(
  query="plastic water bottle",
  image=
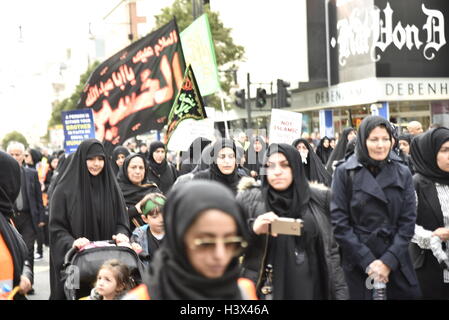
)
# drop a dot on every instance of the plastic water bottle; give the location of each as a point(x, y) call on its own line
point(379, 291)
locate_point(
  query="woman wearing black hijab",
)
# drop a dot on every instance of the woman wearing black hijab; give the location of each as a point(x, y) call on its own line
point(192, 159)
point(340, 149)
point(373, 211)
point(314, 168)
point(118, 156)
point(430, 156)
point(161, 172)
point(224, 165)
point(302, 267)
point(15, 269)
point(191, 263)
point(32, 158)
point(324, 150)
point(133, 182)
point(87, 205)
point(254, 156)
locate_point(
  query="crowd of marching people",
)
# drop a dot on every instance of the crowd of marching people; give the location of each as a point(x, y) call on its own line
point(372, 207)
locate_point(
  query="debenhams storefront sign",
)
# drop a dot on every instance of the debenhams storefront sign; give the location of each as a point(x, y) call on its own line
point(385, 51)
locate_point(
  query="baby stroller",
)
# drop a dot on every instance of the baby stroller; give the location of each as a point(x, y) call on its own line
point(81, 266)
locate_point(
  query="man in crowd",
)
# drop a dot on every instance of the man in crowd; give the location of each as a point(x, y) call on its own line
point(29, 210)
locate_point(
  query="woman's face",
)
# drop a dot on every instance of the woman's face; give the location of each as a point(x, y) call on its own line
point(136, 170)
point(159, 155)
point(301, 147)
point(404, 146)
point(257, 146)
point(279, 172)
point(120, 159)
point(54, 163)
point(326, 143)
point(443, 157)
point(226, 161)
point(332, 143)
point(352, 135)
point(95, 165)
point(378, 144)
point(211, 242)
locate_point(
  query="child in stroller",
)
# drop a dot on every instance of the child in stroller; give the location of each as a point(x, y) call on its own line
point(81, 267)
point(113, 281)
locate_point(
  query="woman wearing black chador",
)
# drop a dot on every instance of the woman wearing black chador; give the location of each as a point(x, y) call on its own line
point(430, 156)
point(87, 205)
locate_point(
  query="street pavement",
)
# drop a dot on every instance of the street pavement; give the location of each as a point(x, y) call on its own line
point(41, 278)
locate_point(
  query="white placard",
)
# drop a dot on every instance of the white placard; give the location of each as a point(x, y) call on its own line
point(285, 126)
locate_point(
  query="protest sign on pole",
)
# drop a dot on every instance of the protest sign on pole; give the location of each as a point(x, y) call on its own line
point(78, 125)
point(285, 126)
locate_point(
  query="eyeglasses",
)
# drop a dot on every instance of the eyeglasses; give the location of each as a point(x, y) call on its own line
point(233, 244)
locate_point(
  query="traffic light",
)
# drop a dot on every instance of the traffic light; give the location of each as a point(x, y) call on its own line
point(284, 96)
point(261, 98)
point(240, 98)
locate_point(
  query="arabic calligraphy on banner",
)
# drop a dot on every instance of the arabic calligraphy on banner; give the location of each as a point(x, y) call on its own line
point(132, 92)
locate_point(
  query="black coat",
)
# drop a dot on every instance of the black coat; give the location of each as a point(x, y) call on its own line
point(166, 180)
point(430, 217)
point(253, 263)
point(34, 195)
point(374, 218)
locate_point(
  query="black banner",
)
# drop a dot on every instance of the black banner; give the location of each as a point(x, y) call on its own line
point(188, 104)
point(388, 38)
point(133, 91)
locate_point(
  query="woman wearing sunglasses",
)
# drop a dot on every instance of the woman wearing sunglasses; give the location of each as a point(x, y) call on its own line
point(304, 267)
point(204, 236)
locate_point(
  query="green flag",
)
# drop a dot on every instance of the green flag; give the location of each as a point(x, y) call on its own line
point(188, 104)
point(198, 48)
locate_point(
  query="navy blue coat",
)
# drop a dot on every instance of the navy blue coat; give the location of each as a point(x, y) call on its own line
point(34, 195)
point(374, 218)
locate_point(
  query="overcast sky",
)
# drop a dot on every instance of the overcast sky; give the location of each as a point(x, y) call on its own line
point(273, 34)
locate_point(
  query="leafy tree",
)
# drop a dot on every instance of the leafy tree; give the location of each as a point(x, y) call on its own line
point(71, 102)
point(14, 136)
point(226, 51)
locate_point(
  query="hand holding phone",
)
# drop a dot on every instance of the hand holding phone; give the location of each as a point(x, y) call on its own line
point(287, 226)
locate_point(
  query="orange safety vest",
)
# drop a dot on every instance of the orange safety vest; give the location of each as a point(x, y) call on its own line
point(6, 262)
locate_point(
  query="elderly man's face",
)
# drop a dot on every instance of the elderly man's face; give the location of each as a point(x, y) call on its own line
point(17, 154)
point(414, 128)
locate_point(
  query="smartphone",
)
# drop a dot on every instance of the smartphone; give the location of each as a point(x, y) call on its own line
point(287, 226)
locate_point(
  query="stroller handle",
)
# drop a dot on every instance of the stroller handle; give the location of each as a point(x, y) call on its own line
point(72, 251)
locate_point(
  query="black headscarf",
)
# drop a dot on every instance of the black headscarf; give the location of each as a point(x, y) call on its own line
point(134, 193)
point(158, 168)
point(424, 150)
point(118, 150)
point(322, 152)
point(193, 155)
point(340, 149)
point(314, 168)
point(172, 276)
point(291, 203)
point(254, 159)
point(9, 190)
point(368, 124)
point(36, 156)
point(214, 173)
point(96, 204)
point(406, 137)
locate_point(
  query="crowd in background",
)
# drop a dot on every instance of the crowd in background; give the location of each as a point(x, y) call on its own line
point(372, 203)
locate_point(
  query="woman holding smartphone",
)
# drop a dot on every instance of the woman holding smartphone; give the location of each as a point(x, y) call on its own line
point(302, 267)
